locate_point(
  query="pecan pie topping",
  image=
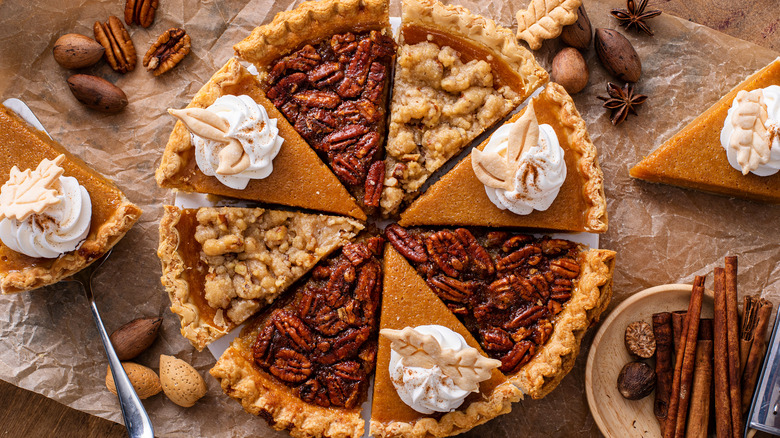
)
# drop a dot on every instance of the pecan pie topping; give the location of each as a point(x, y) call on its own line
point(323, 343)
point(334, 95)
point(505, 287)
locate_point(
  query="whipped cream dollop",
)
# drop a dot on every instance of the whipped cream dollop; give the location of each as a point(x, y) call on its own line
point(428, 390)
point(249, 130)
point(58, 229)
point(764, 132)
point(522, 166)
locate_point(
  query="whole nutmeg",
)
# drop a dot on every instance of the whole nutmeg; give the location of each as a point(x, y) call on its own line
point(97, 93)
point(639, 339)
point(74, 50)
point(636, 380)
point(133, 338)
point(145, 381)
point(570, 70)
point(580, 34)
point(181, 382)
point(617, 55)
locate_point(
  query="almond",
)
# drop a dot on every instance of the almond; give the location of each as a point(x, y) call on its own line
point(144, 380)
point(74, 50)
point(97, 93)
point(617, 55)
point(570, 70)
point(180, 381)
point(133, 338)
point(579, 34)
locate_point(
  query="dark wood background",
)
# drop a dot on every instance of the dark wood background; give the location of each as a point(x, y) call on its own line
point(26, 414)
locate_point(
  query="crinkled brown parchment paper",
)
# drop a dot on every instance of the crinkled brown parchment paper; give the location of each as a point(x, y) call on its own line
point(48, 343)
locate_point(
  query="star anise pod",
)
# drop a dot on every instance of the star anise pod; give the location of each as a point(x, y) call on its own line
point(622, 101)
point(634, 16)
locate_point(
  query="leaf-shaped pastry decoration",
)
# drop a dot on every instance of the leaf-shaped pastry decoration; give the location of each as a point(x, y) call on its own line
point(544, 20)
point(466, 367)
point(750, 137)
point(210, 126)
point(31, 191)
point(497, 170)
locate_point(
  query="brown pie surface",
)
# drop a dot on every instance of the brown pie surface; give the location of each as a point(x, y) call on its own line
point(112, 213)
point(694, 158)
point(299, 177)
point(459, 198)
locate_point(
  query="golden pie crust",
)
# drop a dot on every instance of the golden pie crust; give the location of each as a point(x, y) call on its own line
point(407, 301)
point(186, 270)
point(694, 158)
point(299, 178)
point(262, 394)
point(544, 20)
point(112, 213)
point(309, 22)
point(459, 198)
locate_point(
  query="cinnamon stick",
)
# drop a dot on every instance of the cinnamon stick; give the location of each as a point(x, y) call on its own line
point(720, 365)
point(757, 352)
point(732, 332)
point(749, 320)
point(678, 319)
point(664, 368)
point(699, 412)
point(683, 367)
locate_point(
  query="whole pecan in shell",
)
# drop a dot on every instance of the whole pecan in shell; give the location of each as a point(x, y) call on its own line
point(169, 49)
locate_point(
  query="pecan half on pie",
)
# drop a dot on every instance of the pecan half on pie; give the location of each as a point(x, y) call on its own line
point(307, 362)
point(332, 84)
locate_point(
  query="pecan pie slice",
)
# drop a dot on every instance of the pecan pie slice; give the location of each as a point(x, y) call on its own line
point(459, 197)
point(457, 74)
point(305, 364)
point(326, 66)
point(221, 265)
point(299, 178)
point(527, 300)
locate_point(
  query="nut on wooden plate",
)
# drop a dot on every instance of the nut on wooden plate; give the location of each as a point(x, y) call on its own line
point(133, 338)
point(639, 339)
point(617, 55)
point(169, 49)
point(140, 12)
point(636, 380)
point(145, 381)
point(97, 93)
point(120, 51)
point(74, 50)
point(181, 382)
point(570, 70)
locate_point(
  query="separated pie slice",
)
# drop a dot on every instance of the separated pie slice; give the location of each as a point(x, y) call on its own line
point(527, 300)
point(326, 65)
point(305, 365)
point(407, 301)
point(82, 216)
point(297, 177)
point(457, 74)
point(703, 156)
point(221, 265)
point(460, 197)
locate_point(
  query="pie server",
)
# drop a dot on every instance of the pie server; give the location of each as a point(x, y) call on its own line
point(136, 419)
point(764, 414)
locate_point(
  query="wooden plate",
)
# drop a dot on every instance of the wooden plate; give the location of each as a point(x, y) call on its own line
point(615, 416)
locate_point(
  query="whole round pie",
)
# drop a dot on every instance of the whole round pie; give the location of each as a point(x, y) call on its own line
point(328, 302)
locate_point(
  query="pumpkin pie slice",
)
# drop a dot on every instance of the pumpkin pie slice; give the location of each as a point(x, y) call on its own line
point(527, 300)
point(694, 158)
point(298, 179)
point(457, 74)
point(326, 65)
point(459, 197)
point(305, 364)
point(112, 214)
point(221, 265)
point(407, 301)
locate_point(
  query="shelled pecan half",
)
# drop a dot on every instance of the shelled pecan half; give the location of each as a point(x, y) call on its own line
point(120, 51)
point(140, 12)
point(169, 49)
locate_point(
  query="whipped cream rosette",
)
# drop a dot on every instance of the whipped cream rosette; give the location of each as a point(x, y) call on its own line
point(751, 132)
point(235, 140)
point(44, 214)
point(522, 166)
point(433, 369)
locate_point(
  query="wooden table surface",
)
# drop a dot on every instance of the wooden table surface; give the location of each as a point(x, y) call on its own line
point(27, 414)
